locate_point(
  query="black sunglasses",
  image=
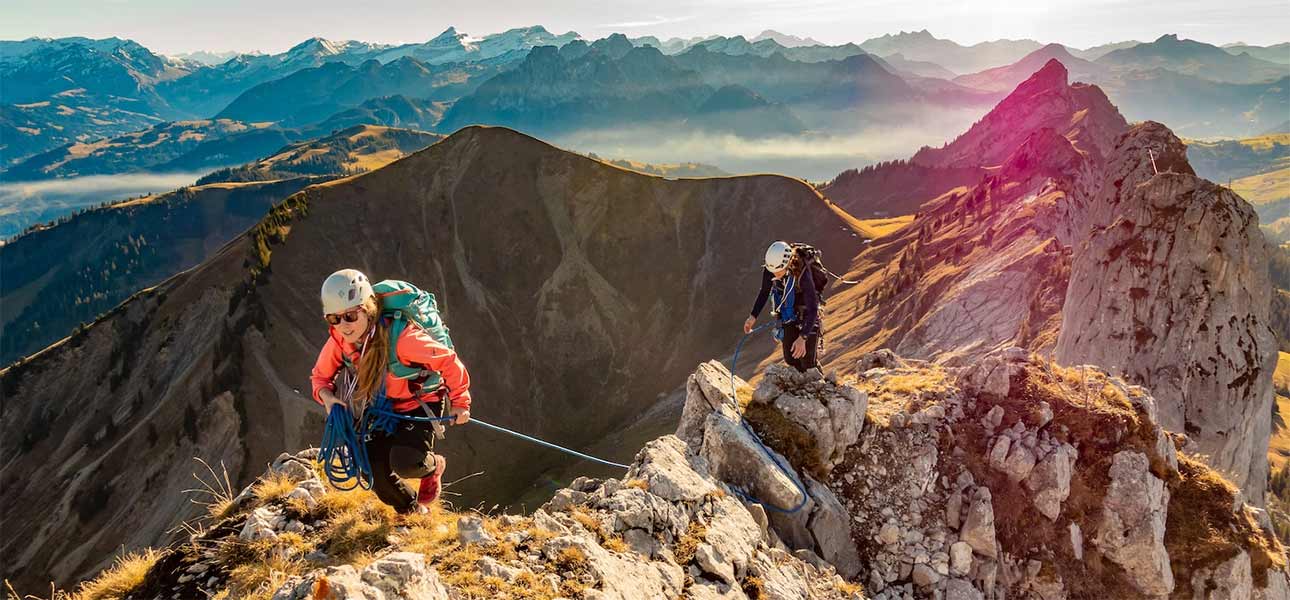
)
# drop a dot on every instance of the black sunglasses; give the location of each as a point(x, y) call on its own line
point(349, 316)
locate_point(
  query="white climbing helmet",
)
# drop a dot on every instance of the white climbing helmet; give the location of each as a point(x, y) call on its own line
point(344, 290)
point(778, 255)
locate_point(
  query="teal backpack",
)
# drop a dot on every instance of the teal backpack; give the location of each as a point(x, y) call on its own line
point(402, 302)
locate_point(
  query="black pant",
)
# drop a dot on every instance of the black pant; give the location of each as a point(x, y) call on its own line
point(791, 332)
point(405, 453)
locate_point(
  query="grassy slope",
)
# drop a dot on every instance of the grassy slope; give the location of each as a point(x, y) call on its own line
point(1279, 445)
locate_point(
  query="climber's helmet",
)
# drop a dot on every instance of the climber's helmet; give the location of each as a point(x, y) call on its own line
point(778, 256)
point(343, 290)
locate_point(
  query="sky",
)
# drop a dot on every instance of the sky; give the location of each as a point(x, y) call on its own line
point(177, 26)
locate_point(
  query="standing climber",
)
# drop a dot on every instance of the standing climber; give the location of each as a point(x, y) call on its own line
point(358, 355)
point(792, 281)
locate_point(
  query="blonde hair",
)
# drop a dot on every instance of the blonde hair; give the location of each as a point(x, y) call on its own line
point(372, 363)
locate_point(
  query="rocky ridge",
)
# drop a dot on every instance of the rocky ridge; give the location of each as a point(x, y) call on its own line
point(666, 529)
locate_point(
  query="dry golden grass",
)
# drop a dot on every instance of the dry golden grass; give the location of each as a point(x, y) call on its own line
point(258, 579)
point(1279, 444)
point(274, 487)
point(695, 534)
point(1264, 187)
point(1281, 377)
point(882, 227)
point(362, 530)
point(850, 588)
point(216, 492)
point(570, 558)
point(914, 383)
point(125, 574)
point(1204, 531)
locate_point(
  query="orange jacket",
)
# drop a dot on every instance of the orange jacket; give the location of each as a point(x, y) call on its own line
point(414, 347)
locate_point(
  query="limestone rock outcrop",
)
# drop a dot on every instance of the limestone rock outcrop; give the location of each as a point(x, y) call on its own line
point(994, 480)
point(1170, 290)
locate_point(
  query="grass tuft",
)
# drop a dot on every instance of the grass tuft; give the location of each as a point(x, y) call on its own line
point(694, 535)
point(125, 574)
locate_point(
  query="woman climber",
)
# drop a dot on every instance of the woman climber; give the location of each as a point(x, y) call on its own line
point(359, 341)
point(791, 281)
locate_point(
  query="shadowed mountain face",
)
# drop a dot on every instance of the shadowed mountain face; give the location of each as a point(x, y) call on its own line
point(114, 251)
point(552, 92)
point(577, 293)
point(334, 87)
point(58, 277)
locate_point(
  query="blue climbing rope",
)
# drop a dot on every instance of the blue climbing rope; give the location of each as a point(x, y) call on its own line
point(746, 497)
point(344, 455)
point(547, 444)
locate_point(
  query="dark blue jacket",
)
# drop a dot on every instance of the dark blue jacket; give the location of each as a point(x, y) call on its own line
point(805, 301)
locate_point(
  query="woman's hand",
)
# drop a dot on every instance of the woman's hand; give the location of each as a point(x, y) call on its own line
point(799, 348)
point(748, 324)
point(329, 400)
point(461, 416)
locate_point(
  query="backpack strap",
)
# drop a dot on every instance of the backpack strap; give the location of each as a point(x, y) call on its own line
point(415, 374)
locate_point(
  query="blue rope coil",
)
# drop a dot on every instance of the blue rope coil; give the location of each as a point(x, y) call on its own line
point(342, 454)
point(746, 497)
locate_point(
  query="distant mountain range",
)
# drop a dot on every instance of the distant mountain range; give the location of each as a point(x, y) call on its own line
point(786, 40)
point(1277, 53)
point(612, 84)
point(310, 95)
point(1184, 83)
point(1198, 59)
point(208, 58)
point(923, 46)
point(1005, 78)
point(350, 151)
point(210, 143)
point(63, 92)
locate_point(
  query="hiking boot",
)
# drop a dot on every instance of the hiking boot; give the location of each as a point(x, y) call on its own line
point(431, 484)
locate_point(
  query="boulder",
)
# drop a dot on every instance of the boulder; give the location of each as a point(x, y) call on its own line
point(470, 530)
point(1051, 480)
point(978, 528)
point(1132, 529)
point(736, 457)
point(400, 575)
point(831, 526)
point(1229, 580)
point(706, 390)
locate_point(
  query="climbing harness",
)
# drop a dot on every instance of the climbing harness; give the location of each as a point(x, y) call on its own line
point(746, 497)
